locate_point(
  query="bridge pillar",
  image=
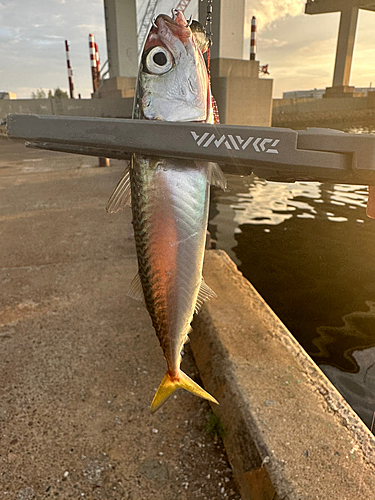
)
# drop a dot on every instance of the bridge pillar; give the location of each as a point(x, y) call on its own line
point(121, 33)
point(242, 97)
point(345, 46)
point(345, 43)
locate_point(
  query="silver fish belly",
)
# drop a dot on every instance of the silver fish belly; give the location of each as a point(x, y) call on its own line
point(170, 211)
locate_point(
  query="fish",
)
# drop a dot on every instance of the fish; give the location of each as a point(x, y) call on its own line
point(170, 197)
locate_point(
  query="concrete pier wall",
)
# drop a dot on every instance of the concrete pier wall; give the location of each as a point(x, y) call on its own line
point(332, 113)
point(109, 107)
point(310, 105)
point(288, 432)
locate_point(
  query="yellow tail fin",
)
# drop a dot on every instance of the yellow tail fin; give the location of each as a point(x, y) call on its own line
point(169, 385)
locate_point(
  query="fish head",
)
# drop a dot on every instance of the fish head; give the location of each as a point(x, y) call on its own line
point(173, 82)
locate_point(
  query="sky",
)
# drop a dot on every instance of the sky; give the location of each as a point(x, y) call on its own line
point(299, 49)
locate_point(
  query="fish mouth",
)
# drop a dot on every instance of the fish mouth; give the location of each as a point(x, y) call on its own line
point(163, 24)
point(178, 25)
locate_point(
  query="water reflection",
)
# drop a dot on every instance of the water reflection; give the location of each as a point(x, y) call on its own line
point(357, 385)
point(357, 388)
point(308, 249)
point(272, 203)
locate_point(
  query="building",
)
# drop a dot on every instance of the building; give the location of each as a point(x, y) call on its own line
point(318, 93)
point(8, 95)
point(300, 94)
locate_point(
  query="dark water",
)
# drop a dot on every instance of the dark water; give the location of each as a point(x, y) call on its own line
point(309, 250)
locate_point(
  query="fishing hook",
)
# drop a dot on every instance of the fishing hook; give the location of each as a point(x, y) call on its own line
point(189, 22)
point(154, 23)
point(174, 12)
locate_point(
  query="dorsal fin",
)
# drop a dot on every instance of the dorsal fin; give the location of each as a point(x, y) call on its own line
point(135, 290)
point(121, 195)
point(205, 293)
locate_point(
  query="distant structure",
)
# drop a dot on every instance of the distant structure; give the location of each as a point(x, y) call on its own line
point(121, 32)
point(97, 58)
point(8, 95)
point(122, 48)
point(345, 43)
point(148, 17)
point(94, 62)
point(70, 71)
point(253, 41)
point(319, 93)
point(304, 94)
point(145, 23)
point(182, 4)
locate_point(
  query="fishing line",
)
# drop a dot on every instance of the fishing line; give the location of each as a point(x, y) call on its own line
point(209, 35)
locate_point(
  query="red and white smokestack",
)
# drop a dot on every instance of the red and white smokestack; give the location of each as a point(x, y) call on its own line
point(94, 71)
point(70, 71)
point(253, 42)
point(97, 61)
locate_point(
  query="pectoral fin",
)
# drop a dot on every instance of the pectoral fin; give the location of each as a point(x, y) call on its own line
point(121, 196)
point(217, 176)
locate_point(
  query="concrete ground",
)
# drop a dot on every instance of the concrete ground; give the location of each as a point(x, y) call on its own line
point(79, 361)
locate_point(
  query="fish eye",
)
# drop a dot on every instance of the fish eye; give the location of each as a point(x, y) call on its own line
point(158, 61)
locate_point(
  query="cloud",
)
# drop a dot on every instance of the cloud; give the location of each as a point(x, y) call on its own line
point(57, 37)
point(267, 43)
point(306, 59)
point(32, 49)
point(89, 28)
point(268, 11)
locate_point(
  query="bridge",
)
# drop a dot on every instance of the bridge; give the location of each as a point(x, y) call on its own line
point(345, 43)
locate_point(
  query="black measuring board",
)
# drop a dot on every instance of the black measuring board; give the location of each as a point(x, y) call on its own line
point(270, 152)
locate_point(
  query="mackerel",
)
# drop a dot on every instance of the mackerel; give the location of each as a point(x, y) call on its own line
point(170, 197)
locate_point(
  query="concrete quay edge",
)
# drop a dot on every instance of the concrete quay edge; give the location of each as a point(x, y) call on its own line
point(289, 434)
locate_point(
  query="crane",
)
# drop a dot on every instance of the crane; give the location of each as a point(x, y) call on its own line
point(182, 4)
point(146, 21)
point(147, 18)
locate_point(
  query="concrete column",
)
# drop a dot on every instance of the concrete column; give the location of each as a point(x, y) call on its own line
point(242, 97)
point(345, 46)
point(121, 31)
point(231, 28)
